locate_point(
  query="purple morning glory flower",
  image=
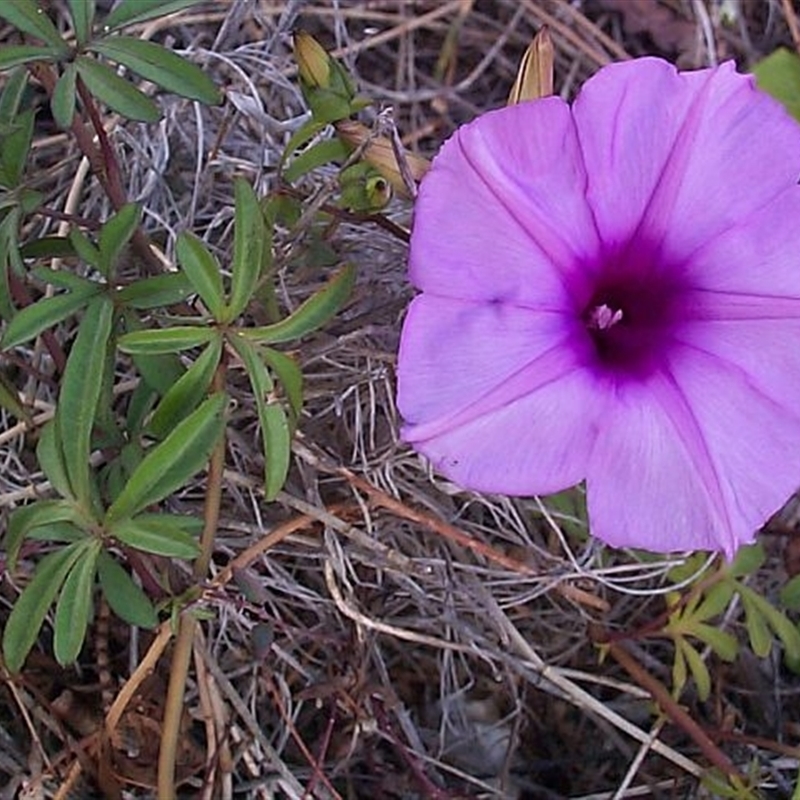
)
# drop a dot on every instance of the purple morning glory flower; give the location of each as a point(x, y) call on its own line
point(611, 292)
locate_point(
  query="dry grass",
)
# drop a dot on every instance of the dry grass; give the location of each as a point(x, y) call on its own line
point(377, 633)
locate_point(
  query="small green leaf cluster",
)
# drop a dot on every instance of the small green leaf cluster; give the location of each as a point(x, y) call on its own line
point(330, 94)
point(111, 458)
point(96, 43)
point(692, 615)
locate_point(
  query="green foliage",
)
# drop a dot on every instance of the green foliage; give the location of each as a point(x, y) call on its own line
point(111, 462)
point(779, 75)
point(693, 613)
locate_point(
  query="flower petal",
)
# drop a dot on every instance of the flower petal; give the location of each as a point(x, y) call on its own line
point(537, 444)
point(745, 402)
point(650, 482)
point(455, 353)
point(659, 146)
point(760, 256)
point(501, 213)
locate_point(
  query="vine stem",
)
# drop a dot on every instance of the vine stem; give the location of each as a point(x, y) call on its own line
point(182, 654)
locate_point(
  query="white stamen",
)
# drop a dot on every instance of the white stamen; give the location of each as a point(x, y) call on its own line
point(602, 317)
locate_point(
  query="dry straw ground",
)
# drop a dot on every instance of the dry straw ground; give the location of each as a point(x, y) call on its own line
point(377, 633)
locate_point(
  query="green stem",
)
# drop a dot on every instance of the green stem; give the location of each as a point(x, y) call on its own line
point(182, 655)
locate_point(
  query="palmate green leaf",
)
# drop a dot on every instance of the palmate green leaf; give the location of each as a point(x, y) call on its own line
point(155, 292)
point(251, 237)
point(10, 260)
point(64, 279)
point(62, 103)
point(160, 66)
point(51, 460)
point(184, 395)
point(714, 601)
point(722, 643)
point(84, 248)
point(203, 272)
point(115, 234)
point(15, 148)
point(45, 313)
point(290, 376)
point(29, 611)
point(12, 55)
point(758, 631)
point(275, 431)
point(82, 12)
point(679, 672)
point(129, 12)
point(28, 17)
point(74, 606)
point(748, 560)
point(779, 75)
point(117, 93)
point(40, 514)
point(170, 464)
point(166, 340)
point(156, 536)
point(124, 597)
point(48, 247)
point(698, 668)
point(80, 390)
point(14, 89)
point(777, 620)
point(9, 400)
point(313, 313)
point(790, 594)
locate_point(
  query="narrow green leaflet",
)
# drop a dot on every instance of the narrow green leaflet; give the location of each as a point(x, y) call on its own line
point(117, 93)
point(170, 464)
point(74, 606)
point(9, 400)
point(115, 234)
point(40, 514)
point(62, 103)
point(44, 314)
point(203, 272)
point(290, 376)
point(251, 236)
point(275, 431)
point(124, 597)
point(84, 248)
point(790, 594)
point(786, 630)
point(14, 150)
point(721, 642)
point(155, 536)
point(166, 340)
point(130, 11)
point(184, 395)
point(26, 16)
point(48, 247)
point(16, 84)
point(82, 12)
point(698, 668)
point(159, 65)
point(313, 313)
point(12, 55)
point(155, 292)
point(757, 629)
point(324, 152)
point(184, 522)
point(64, 279)
point(29, 611)
point(80, 391)
point(51, 460)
